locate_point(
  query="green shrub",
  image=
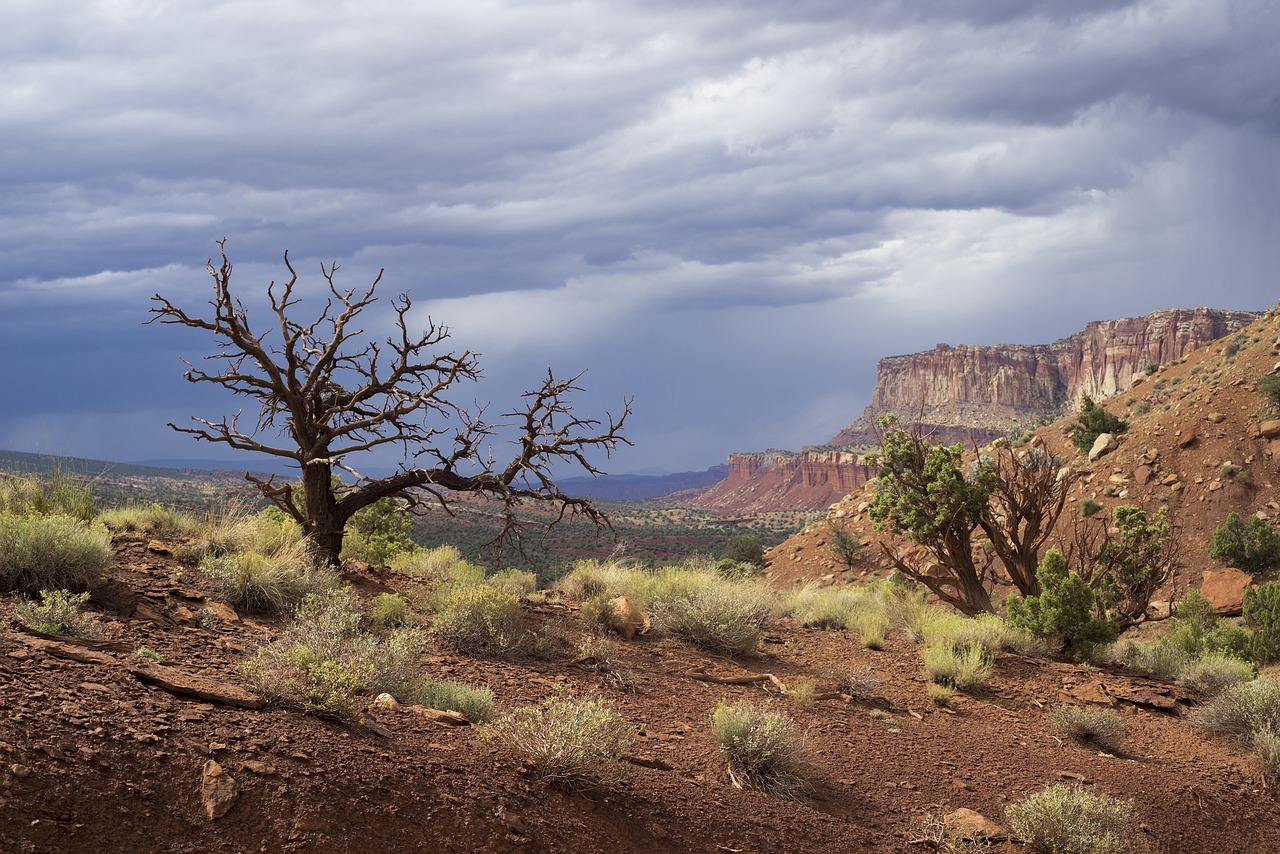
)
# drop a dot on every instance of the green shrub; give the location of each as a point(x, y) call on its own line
point(1251, 546)
point(267, 583)
point(389, 609)
point(1092, 422)
point(1269, 388)
point(737, 570)
point(762, 747)
point(1197, 631)
point(480, 619)
point(57, 613)
point(567, 739)
point(964, 668)
point(378, 532)
point(1062, 819)
point(1262, 616)
point(744, 548)
point(149, 654)
point(1088, 723)
point(1066, 609)
point(50, 552)
point(843, 544)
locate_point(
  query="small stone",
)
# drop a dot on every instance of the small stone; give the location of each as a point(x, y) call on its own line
point(1142, 474)
point(218, 791)
point(1270, 429)
point(1185, 439)
point(971, 825)
point(1216, 417)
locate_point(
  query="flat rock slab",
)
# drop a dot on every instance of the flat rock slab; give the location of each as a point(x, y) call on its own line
point(188, 684)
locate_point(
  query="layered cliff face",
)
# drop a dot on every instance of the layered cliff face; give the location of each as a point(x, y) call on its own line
point(971, 395)
point(981, 392)
point(781, 480)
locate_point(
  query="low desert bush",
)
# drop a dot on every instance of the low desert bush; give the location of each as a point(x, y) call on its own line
point(266, 582)
point(1062, 819)
point(1099, 726)
point(819, 607)
point(389, 609)
point(515, 581)
point(48, 552)
point(711, 612)
point(1212, 673)
point(1262, 616)
point(1266, 743)
point(1243, 709)
point(323, 661)
point(57, 613)
point(803, 691)
point(591, 579)
point(480, 619)
point(567, 739)
point(324, 687)
point(763, 748)
point(961, 667)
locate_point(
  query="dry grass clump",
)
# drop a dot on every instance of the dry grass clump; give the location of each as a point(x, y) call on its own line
point(48, 552)
point(567, 739)
point(1243, 709)
point(961, 667)
point(1099, 726)
point(234, 527)
point(1062, 819)
point(1266, 743)
point(860, 683)
point(480, 619)
point(152, 518)
point(872, 627)
point(58, 495)
point(473, 703)
point(763, 748)
point(266, 582)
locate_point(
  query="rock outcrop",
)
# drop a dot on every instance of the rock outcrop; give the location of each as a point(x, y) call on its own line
point(979, 392)
point(782, 480)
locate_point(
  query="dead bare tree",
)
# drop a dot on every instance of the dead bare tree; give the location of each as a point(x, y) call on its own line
point(1028, 491)
point(329, 393)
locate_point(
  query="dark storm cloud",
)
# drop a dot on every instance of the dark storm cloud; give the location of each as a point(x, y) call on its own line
point(730, 210)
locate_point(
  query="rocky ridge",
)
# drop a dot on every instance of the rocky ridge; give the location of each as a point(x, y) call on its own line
point(1200, 442)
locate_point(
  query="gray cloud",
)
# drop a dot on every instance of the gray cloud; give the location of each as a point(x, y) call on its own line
point(729, 210)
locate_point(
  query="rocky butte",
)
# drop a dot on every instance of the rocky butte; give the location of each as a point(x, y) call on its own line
point(970, 394)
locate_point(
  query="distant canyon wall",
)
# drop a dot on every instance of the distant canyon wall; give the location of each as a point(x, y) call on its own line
point(987, 390)
point(969, 394)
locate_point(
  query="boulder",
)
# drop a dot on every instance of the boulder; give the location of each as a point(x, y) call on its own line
point(1142, 474)
point(1104, 444)
point(1224, 588)
point(1270, 429)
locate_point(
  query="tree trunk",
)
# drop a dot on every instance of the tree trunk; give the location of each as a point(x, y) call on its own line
point(324, 524)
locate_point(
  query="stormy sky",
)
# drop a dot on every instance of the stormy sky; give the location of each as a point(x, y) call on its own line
point(727, 211)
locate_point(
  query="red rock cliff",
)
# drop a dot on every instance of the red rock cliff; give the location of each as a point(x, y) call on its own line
point(991, 389)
